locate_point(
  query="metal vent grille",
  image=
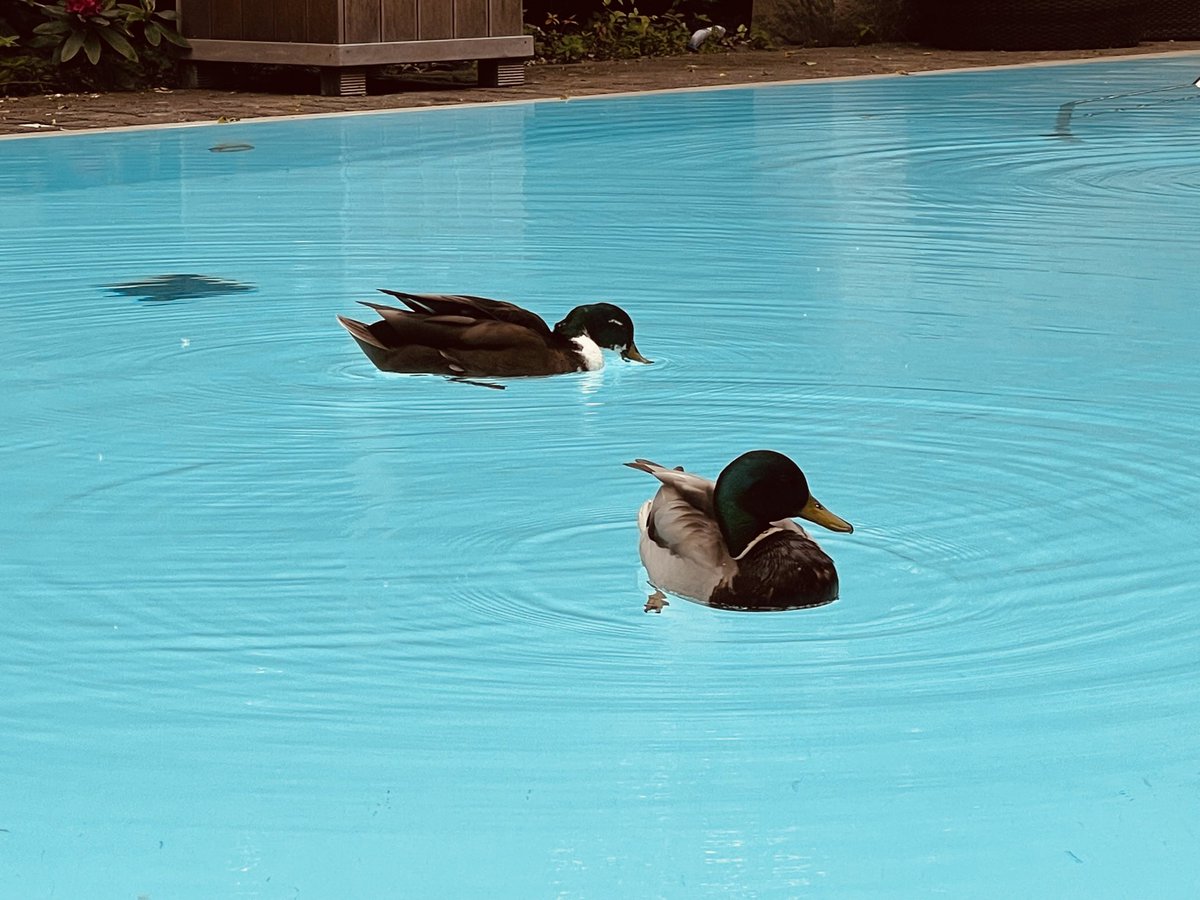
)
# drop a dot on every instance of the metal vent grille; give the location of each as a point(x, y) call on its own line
point(344, 82)
point(501, 73)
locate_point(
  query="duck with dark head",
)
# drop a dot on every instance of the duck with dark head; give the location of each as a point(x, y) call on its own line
point(732, 543)
point(463, 336)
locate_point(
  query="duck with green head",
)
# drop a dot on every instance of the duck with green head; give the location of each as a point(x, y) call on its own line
point(463, 336)
point(732, 543)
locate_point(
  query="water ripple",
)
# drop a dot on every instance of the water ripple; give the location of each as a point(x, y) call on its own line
point(240, 562)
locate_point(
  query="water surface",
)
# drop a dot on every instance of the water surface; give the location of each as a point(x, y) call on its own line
point(278, 625)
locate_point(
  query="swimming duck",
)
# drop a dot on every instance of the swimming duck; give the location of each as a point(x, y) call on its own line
point(733, 543)
point(457, 336)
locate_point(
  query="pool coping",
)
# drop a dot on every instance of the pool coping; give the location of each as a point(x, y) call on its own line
point(525, 101)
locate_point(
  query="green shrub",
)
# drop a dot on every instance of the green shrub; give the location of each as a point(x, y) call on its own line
point(838, 23)
point(85, 45)
point(870, 21)
point(618, 31)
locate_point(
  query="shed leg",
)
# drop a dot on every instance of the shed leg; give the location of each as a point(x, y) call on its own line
point(501, 72)
point(197, 75)
point(343, 82)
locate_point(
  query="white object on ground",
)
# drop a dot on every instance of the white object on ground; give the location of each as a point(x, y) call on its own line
point(703, 35)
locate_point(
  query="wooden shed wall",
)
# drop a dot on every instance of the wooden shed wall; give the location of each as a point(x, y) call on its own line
point(349, 21)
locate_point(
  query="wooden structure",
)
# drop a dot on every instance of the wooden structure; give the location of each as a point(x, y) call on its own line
point(343, 38)
point(1030, 24)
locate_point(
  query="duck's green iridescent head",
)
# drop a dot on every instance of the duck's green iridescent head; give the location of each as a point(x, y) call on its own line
point(606, 324)
point(761, 487)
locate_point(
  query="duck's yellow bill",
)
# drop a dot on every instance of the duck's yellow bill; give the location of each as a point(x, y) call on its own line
point(631, 352)
point(815, 512)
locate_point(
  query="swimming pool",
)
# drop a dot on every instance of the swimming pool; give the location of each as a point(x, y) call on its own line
point(279, 625)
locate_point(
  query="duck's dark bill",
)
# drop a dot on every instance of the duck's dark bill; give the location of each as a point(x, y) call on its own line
point(631, 353)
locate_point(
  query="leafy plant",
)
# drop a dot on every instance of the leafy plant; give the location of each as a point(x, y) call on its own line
point(25, 73)
point(840, 23)
point(90, 25)
point(803, 22)
point(85, 25)
point(868, 21)
point(71, 45)
point(620, 31)
point(748, 38)
point(153, 25)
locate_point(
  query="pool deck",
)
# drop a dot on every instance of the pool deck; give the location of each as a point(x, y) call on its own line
point(55, 113)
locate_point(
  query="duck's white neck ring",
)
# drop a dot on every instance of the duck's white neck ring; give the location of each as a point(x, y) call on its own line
point(593, 356)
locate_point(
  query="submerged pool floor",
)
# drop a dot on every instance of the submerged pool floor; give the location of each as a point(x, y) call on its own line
point(279, 625)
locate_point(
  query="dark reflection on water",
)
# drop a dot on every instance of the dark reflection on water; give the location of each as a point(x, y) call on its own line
point(750, 605)
point(180, 287)
point(1127, 101)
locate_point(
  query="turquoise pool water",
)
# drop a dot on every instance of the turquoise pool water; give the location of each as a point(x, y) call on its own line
point(277, 625)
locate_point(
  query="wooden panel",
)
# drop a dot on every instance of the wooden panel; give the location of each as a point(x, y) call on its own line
point(470, 18)
point(373, 54)
point(258, 20)
point(361, 22)
point(324, 21)
point(399, 20)
point(517, 47)
point(435, 19)
point(195, 18)
point(291, 20)
point(350, 21)
point(227, 19)
point(270, 52)
point(506, 18)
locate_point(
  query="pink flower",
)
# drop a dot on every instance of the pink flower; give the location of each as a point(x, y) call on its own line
point(84, 7)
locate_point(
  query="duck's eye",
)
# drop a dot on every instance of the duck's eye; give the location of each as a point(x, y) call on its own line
point(614, 321)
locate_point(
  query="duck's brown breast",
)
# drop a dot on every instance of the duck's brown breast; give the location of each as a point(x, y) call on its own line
point(784, 570)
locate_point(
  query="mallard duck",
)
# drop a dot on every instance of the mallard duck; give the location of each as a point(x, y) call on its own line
point(461, 336)
point(733, 543)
